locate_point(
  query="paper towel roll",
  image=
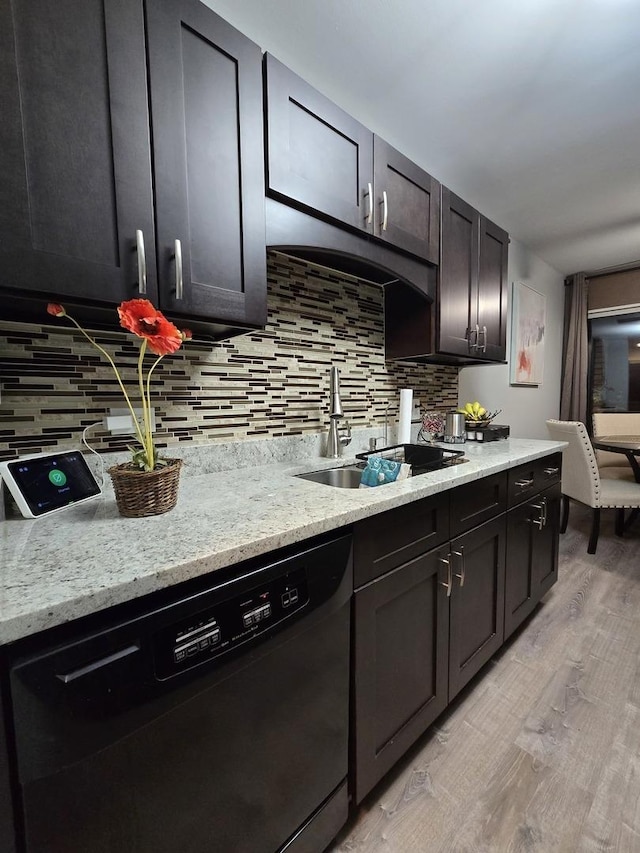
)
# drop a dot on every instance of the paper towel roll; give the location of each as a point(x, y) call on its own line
point(404, 423)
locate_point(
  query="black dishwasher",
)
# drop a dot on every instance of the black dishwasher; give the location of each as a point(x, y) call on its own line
point(214, 723)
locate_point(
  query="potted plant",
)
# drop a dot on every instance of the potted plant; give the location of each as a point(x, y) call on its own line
point(148, 484)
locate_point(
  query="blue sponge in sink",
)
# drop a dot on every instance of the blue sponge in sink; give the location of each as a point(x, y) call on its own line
point(380, 471)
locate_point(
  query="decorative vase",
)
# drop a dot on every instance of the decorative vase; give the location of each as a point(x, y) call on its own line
point(141, 493)
point(432, 426)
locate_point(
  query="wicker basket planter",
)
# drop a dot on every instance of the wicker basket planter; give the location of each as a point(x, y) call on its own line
point(141, 493)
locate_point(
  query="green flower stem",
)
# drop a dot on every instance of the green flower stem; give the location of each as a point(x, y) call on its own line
point(147, 443)
point(115, 370)
point(148, 395)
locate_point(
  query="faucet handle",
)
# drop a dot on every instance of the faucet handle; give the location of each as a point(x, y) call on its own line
point(345, 439)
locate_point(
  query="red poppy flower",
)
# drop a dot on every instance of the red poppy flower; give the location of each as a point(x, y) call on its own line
point(55, 309)
point(140, 317)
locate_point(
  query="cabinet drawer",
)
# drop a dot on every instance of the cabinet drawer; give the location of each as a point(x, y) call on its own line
point(549, 471)
point(384, 542)
point(528, 479)
point(477, 502)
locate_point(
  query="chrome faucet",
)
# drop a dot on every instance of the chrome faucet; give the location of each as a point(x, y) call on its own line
point(336, 440)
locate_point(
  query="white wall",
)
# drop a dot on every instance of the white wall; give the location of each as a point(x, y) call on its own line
point(525, 409)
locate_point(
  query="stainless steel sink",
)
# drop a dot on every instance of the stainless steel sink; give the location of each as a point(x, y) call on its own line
point(343, 478)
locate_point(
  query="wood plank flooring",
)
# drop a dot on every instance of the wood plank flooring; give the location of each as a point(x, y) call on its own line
point(541, 753)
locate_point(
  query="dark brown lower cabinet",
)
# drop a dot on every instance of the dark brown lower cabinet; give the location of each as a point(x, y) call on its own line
point(532, 555)
point(439, 585)
point(400, 660)
point(476, 620)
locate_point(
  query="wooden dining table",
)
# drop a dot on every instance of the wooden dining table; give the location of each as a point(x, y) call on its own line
point(628, 445)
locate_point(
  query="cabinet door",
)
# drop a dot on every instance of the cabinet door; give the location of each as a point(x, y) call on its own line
point(407, 203)
point(75, 163)
point(476, 627)
point(524, 525)
point(206, 106)
point(400, 659)
point(317, 154)
point(457, 291)
point(532, 555)
point(492, 291)
point(546, 568)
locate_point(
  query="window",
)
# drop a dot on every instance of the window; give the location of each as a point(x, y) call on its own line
point(614, 374)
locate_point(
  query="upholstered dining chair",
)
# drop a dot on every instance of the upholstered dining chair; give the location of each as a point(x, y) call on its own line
point(614, 465)
point(581, 481)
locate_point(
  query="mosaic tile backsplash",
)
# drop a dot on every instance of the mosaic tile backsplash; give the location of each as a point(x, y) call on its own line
point(263, 384)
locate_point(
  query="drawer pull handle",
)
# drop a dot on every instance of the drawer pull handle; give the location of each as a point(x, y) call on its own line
point(550, 472)
point(449, 581)
point(524, 484)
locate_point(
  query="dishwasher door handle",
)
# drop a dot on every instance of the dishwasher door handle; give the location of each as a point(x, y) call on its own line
point(67, 677)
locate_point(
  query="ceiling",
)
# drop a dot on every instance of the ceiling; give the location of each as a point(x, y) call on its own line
point(530, 111)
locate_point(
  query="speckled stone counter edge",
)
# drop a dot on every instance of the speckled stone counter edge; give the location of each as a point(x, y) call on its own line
point(72, 564)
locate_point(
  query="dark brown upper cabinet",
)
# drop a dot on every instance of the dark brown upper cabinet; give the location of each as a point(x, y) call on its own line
point(322, 159)
point(75, 161)
point(78, 219)
point(467, 322)
point(472, 291)
point(206, 115)
point(407, 203)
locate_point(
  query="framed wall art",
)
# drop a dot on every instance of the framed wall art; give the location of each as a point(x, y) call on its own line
point(527, 335)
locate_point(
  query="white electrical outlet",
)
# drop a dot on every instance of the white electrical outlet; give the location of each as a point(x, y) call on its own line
point(119, 422)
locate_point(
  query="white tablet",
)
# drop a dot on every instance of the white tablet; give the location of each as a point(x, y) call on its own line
point(49, 482)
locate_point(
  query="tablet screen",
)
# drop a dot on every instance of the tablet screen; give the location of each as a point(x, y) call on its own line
point(54, 481)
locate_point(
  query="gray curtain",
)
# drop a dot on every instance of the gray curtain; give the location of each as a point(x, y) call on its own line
point(575, 367)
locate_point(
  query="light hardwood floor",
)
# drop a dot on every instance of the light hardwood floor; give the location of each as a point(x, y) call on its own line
point(541, 753)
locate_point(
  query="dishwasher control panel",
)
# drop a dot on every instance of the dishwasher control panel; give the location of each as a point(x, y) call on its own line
point(228, 623)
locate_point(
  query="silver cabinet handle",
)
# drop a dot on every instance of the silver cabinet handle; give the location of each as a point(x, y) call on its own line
point(476, 343)
point(544, 512)
point(449, 583)
point(524, 484)
point(369, 196)
point(551, 472)
point(463, 570)
point(142, 262)
point(538, 522)
point(178, 258)
point(484, 339)
point(385, 210)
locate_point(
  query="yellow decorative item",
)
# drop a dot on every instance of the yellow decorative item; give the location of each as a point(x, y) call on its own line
point(477, 415)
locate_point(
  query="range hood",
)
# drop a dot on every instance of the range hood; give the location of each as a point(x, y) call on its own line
point(295, 233)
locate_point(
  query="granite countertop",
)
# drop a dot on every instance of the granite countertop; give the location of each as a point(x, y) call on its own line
point(88, 558)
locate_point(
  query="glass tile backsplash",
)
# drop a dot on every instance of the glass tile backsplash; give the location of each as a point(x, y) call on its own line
point(263, 384)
